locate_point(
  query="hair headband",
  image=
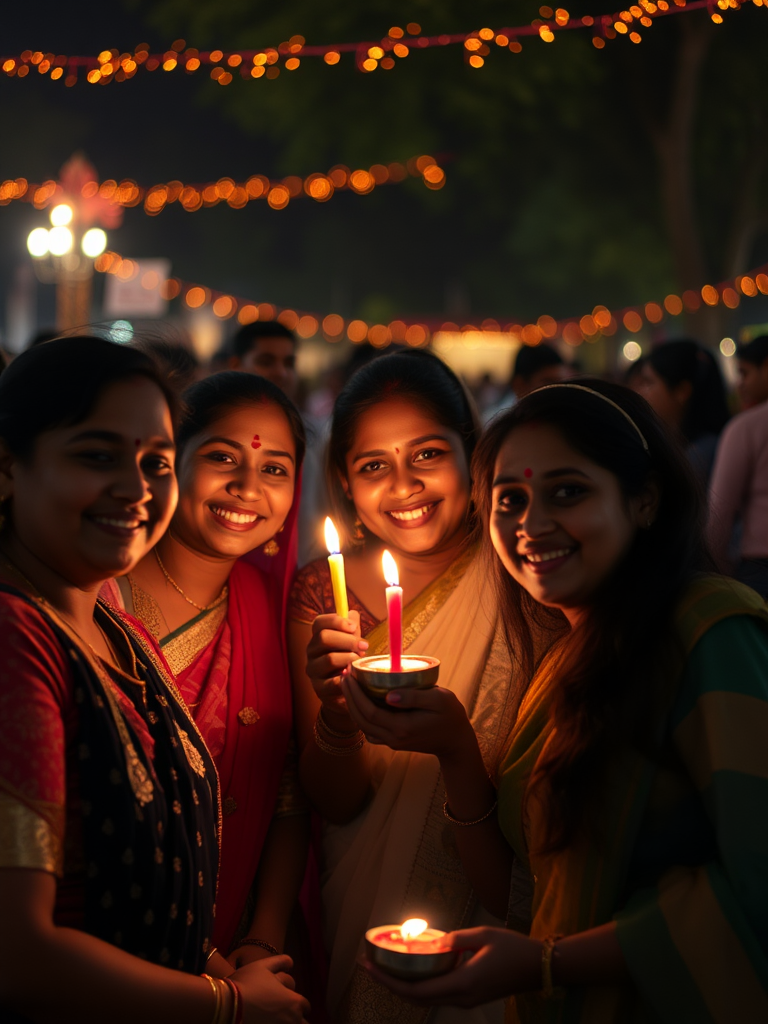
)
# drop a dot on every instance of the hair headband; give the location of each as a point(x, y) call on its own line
point(598, 394)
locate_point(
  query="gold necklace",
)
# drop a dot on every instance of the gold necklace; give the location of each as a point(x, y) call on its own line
point(175, 585)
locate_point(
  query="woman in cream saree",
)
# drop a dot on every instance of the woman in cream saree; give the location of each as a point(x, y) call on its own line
point(397, 859)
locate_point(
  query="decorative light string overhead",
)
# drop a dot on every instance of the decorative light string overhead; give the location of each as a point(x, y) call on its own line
point(116, 66)
point(320, 187)
point(601, 322)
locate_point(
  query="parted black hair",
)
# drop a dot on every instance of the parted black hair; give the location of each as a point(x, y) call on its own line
point(218, 394)
point(59, 384)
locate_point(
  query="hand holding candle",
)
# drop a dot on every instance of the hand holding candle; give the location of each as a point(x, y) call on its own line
point(394, 611)
point(336, 565)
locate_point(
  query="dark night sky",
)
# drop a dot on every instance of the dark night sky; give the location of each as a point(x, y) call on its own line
point(161, 126)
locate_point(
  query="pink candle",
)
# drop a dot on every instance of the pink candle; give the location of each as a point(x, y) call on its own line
point(394, 612)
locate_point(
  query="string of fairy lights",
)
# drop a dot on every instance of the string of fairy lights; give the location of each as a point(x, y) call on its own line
point(601, 322)
point(277, 193)
point(223, 66)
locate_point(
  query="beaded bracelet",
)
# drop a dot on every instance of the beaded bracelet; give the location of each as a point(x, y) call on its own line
point(336, 751)
point(468, 824)
point(262, 944)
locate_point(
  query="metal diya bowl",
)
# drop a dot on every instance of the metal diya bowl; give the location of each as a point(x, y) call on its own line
point(419, 672)
point(409, 966)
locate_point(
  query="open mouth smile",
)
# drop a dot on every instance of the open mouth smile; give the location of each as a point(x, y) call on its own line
point(235, 520)
point(412, 517)
point(121, 526)
point(541, 562)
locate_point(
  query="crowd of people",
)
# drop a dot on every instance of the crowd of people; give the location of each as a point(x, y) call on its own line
point(201, 810)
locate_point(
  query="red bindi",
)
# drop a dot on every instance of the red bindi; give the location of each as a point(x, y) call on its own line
point(397, 450)
point(528, 473)
point(255, 443)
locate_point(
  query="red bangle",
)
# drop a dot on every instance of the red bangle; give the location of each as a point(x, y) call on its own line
point(237, 1002)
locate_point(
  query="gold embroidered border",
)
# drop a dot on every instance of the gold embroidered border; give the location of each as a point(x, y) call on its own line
point(418, 613)
point(28, 840)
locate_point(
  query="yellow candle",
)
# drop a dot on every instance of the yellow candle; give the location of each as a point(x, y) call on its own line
point(336, 564)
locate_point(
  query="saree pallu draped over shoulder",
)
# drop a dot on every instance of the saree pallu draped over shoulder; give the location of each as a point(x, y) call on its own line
point(242, 682)
point(684, 880)
point(398, 859)
point(150, 824)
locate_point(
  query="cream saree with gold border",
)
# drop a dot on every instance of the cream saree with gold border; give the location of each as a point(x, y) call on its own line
point(398, 859)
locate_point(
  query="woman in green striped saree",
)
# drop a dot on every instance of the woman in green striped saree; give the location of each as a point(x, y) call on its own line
point(635, 785)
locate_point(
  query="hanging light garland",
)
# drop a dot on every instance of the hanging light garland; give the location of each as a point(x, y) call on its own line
point(222, 65)
point(601, 322)
point(278, 194)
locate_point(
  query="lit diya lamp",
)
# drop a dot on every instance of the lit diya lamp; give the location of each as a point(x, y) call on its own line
point(379, 674)
point(412, 951)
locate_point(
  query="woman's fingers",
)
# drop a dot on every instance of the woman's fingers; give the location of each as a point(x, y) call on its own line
point(277, 964)
point(436, 699)
point(333, 640)
point(434, 992)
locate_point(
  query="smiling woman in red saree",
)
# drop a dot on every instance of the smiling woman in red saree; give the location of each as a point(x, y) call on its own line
point(217, 618)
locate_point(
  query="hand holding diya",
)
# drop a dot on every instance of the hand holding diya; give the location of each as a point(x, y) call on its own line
point(412, 951)
point(377, 675)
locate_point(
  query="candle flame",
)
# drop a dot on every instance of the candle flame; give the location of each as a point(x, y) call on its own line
point(331, 537)
point(413, 927)
point(389, 568)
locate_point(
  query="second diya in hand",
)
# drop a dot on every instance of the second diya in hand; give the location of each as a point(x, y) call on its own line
point(377, 675)
point(412, 951)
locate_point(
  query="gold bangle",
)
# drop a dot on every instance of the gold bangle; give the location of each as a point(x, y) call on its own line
point(213, 950)
point(337, 751)
point(332, 732)
point(468, 824)
point(547, 951)
point(217, 996)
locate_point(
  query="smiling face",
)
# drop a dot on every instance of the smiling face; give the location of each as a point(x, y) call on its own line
point(96, 496)
point(408, 477)
point(236, 482)
point(559, 522)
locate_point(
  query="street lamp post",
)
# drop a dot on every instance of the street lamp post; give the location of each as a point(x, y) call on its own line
point(64, 253)
point(59, 258)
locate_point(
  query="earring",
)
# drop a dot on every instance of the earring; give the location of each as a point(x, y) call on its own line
point(271, 548)
point(358, 534)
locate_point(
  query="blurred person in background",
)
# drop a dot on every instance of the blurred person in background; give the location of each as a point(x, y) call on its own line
point(682, 383)
point(268, 349)
point(535, 366)
point(752, 362)
point(738, 495)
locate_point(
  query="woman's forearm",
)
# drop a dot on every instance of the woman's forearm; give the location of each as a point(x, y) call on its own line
point(485, 853)
point(337, 786)
point(278, 880)
point(590, 958)
point(50, 974)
